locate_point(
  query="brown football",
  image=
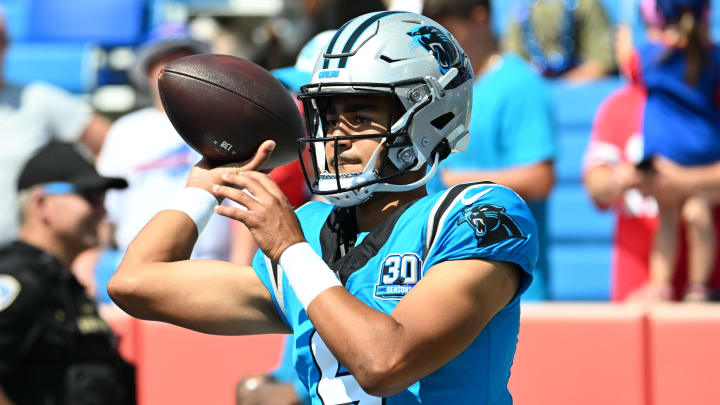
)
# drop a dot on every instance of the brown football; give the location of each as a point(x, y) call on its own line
point(224, 107)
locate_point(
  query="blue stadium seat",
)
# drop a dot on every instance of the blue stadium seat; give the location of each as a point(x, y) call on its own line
point(572, 217)
point(571, 147)
point(576, 104)
point(580, 272)
point(105, 22)
point(70, 66)
point(17, 15)
point(580, 235)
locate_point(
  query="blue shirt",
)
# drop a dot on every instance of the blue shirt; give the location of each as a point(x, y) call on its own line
point(512, 124)
point(474, 220)
point(681, 121)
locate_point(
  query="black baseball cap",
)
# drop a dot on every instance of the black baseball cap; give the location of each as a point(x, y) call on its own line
point(59, 162)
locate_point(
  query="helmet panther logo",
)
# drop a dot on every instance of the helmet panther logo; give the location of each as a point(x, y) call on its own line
point(437, 43)
point(491, 224)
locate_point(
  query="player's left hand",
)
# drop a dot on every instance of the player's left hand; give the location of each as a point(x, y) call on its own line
point(269, 215)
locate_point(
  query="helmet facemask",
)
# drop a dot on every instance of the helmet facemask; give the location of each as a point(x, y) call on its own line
point(393, 156)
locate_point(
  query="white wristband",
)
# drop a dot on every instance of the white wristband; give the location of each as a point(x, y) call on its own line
point(307, 273)
point(197, 203)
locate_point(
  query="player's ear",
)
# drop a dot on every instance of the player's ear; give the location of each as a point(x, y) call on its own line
point(34, 206)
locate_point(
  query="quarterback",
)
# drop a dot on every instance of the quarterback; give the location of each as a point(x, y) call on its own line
point(391, 296)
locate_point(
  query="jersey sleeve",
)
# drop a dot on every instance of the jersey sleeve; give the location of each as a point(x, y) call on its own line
point(20, 298)
point(271, 276)
point(487, 222)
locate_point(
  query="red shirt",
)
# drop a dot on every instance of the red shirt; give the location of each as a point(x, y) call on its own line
point(616, 138)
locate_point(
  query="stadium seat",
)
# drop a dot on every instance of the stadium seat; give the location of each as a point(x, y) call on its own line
point(580, 354)
point(104, 22)
point(580, 235)
point(576, 104)
point(72, 66)
point(17, 15)
point(571, 148)
point(572, 218)
point(580, 272)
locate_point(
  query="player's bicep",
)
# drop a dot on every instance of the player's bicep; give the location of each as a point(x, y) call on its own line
point(451, 305)
point(204, 295)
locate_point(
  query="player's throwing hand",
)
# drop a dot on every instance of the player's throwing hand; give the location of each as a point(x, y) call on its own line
point(268, 215)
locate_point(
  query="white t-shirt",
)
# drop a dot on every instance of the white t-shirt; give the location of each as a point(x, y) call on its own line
point(144, 148)
point(30, 117)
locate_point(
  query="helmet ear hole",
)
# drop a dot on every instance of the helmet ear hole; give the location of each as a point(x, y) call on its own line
point(442, 120)
point(443, 149)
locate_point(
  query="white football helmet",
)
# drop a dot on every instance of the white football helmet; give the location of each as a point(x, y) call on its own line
point(405, 56)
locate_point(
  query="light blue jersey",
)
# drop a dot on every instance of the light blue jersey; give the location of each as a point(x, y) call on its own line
point(512, 124)
point(473, 220)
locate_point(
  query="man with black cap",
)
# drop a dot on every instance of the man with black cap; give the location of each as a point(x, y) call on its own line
point(54, 348)
point(30, 116)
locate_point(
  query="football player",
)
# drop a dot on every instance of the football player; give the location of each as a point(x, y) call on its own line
point(392, 296)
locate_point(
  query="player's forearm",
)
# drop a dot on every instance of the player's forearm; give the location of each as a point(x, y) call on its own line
point(168, 237)
point(532, 182)
point(366, 341)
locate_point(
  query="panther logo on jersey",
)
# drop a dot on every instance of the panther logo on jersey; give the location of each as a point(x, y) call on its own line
point(491, 224)
point(437, 43)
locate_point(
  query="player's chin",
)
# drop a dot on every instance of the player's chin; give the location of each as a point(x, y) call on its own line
point(348, 168)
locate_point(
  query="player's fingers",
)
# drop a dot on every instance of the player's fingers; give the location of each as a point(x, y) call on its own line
point(240, 196)
point(236, 213)
point(247, 181)
point(260, 157)
point(268, 183)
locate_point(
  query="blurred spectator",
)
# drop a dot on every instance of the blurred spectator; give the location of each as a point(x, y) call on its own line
point(279, 39)
point(281, 387)
point(331, 14)
point(144, 148)
point(512, 127)
point(611, 179)
point(54, 348)
point(681, 121)
point(570, 39)
point(31, 116)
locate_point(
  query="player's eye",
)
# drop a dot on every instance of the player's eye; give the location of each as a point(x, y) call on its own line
point(332, 122)
point(359, 119)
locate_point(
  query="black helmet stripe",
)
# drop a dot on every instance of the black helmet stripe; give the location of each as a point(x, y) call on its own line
point(359, 30)
point(331, 44)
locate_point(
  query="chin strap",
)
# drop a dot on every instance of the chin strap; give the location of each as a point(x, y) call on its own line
point(412, 186)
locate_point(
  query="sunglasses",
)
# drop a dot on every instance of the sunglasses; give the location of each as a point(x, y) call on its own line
point(62, 188)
